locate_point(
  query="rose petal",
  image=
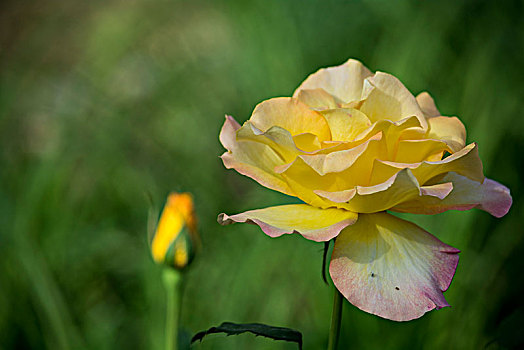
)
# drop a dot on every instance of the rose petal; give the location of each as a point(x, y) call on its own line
point(252, 159)
point(489, 196)
point(413, 151)
point(385, 97)
point(440, 191)
point(401, 187)
point(392, 268)
point(346, 123)
point(345, 82)
point(307, 142)
point(448, 129)
point(465, 162)
point(334, 171)
point(313, 223)
point(279, 139)
point(317, 99)
point(292, 115)
point(228, 133)
point(335, 162)
point(427, 105)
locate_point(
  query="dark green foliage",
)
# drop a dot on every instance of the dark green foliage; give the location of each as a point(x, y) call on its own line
point(258, 329)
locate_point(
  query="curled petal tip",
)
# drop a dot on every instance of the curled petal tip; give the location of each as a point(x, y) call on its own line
point(497, 198)
point(223, 219)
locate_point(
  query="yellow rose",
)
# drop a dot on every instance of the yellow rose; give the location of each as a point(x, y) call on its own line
point(352, 144)
point(176, 239)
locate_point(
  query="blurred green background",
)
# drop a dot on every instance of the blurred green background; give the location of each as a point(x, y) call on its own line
point(106, 103)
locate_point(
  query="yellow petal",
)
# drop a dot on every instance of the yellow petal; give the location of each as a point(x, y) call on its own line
point(345, 82)
point(346, 124)
point(385, 97)
point(317, 99)
point(465, 162)
point(334, 162)
point(448, 129)
point(413, 151)
point(401, 187)
point(307, 142)
point(292, 115)
point(392, 132)
point(253, 159)
point(392, 268)
point(335, 171)
point(489, 196)
point(313, 223)
point(279, 139)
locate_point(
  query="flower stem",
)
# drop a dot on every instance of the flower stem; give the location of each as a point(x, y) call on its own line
point(172, 278)
point(336, 317)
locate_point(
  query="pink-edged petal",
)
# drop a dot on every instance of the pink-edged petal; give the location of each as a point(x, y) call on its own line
point(292, 115)
point(392, 268)
point(313, 223)
point(489, 196)
point(228, 133)
point(345, 82)
point(253, 159)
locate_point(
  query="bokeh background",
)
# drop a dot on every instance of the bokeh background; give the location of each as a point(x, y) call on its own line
point(106, 104)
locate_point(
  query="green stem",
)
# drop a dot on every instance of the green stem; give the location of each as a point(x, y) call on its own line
point(336, 317)
point(172, 278)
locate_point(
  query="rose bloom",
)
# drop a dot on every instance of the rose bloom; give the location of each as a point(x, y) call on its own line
point(352, 145)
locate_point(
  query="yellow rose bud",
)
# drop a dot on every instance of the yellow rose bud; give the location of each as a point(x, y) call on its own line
point(175, 239)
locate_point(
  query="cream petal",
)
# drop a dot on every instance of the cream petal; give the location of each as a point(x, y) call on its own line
point(292, 115)
point(489, 196)
point(385, 97)
point(439, 191)
point(317, 99)
point(427, 105)
point(313, 223)
point(344, 82)
point(392, 268)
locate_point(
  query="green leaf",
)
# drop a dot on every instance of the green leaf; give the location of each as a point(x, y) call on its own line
point(258, 329)
point(324, 261)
